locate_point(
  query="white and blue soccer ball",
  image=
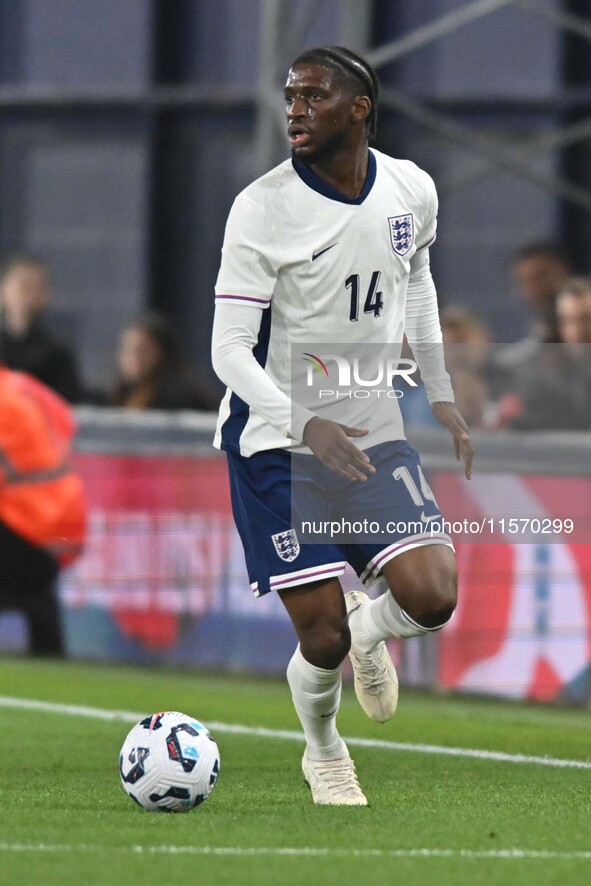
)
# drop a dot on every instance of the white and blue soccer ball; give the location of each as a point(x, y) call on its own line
point(169, 762)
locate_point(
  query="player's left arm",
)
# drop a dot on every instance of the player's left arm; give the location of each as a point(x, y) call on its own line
point(423, 331)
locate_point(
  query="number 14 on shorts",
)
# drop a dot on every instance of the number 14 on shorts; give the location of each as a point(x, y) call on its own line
point(402, 473)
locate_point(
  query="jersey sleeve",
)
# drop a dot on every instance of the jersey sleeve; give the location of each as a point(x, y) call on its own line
point(249, 265)
point(423, 330)
point(235, 332)
point(428, 231)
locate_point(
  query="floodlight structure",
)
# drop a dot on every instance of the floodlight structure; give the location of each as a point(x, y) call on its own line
point(285, 27)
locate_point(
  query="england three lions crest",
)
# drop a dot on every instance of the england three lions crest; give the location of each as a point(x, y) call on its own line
point(402, 232)
point(287, 545)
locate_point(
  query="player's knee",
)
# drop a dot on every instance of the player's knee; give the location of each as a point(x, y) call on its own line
point(435, 602)
point(327, 646)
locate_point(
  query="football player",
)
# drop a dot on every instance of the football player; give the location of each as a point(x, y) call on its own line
point(333, 246)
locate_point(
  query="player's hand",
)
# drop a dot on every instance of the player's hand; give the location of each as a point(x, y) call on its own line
point(449, 416)
point(330, 443)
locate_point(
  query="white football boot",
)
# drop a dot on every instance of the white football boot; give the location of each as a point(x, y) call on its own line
point(333, 782)
point(376, 681)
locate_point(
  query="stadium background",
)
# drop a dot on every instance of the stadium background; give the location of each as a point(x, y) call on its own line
point(126, 129)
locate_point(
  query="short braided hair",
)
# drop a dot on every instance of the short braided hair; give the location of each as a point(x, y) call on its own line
point(354, 69)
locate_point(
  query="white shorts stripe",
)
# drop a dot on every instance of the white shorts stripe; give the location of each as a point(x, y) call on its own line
point(373, 569)
point(305, 576)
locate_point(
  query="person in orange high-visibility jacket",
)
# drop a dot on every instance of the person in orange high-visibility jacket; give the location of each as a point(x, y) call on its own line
point(42, 504)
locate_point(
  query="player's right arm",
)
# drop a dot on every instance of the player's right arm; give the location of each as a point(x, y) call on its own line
point(244, 291)
point(235, 335)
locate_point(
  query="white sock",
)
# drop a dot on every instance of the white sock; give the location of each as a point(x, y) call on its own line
point(381, 619)
point(316, 695)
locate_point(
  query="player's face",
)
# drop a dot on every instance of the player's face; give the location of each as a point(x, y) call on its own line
point(319, 112)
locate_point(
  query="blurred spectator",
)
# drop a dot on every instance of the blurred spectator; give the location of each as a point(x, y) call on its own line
point(467, 351)
point(471, 396)
point(465, 338)
point(540, 270)
point(574, 311)
point(151, 373)
point(467, 346)
point(25, 343)
point(42, 506)
point(552, 391)
point(459, 325)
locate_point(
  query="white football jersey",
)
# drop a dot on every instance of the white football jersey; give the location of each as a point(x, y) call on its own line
point(326, 269)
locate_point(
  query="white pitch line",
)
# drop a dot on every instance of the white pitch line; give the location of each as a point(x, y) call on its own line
point(303, 851)
point(261, 732)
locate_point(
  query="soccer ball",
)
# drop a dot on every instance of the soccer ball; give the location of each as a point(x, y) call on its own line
point(169, 762)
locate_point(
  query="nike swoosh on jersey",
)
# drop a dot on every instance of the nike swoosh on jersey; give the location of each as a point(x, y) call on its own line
point(320, 252)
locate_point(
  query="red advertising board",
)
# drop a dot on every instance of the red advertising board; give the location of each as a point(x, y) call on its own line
point(522, 627)
point(163, 552)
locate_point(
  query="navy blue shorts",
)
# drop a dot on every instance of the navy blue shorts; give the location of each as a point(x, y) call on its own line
point(289, 510)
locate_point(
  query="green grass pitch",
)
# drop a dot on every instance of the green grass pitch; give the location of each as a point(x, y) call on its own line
point(64, 818)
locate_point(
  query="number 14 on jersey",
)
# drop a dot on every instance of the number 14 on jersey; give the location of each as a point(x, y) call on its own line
point(374, 301)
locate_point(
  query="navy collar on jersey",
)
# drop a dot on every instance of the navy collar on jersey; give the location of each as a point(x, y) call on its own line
point(317, 184)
